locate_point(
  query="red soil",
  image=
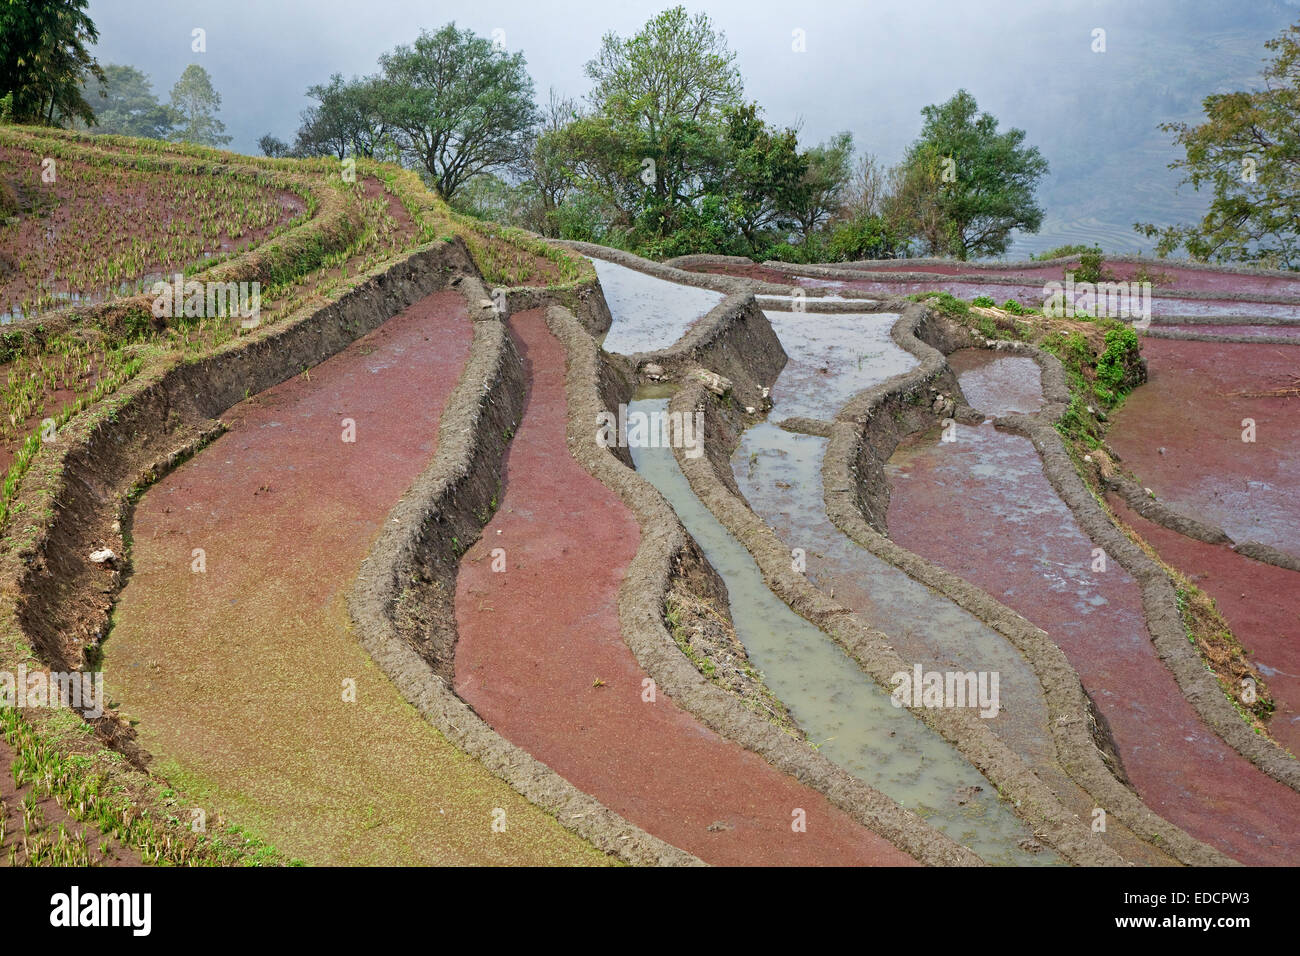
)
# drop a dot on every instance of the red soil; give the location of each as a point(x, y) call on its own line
point(1028, 291)
point(1260, 602)
point(235, 674)
point(1206, 470)
point(541, 658)
point(1165, 276)
point(982, 508)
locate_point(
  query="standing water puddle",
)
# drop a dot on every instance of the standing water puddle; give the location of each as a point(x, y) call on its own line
point(780, 474)
point(649, 313)
point(997, 384)
point(831, 358)
point(845, 714)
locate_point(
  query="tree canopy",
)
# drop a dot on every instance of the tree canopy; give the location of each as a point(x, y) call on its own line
point(1248, 153)
point(460, 105)
point(125, 104)
point(969, 186)
point(195, 102)
point(45, 60)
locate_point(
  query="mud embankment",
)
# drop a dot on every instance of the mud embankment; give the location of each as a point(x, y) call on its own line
point(664, 549)
point(864, 436)
point(76, 494)
point(403, 602)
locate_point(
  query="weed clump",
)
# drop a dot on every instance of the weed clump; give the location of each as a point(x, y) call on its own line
point(8, 201)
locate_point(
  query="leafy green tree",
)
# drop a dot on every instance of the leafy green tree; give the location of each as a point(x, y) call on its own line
point(273, 146)
point(966, 186)
point(125, 104)
point(196, 102)
point(460, 105)
point(549, 169)
point(763, 175)
point(659, 103)
point(45, 60)
point(352, 117)
point(1248, 152)
point(822, 190)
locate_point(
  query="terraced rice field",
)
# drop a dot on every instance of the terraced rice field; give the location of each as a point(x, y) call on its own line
point(436, 564)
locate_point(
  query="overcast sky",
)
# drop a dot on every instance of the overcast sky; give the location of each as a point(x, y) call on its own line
point(869, 65)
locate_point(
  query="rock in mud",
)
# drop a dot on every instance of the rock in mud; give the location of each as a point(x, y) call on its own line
point(719, 385)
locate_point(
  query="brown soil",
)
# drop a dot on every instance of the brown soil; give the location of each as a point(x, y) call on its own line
point(541, 658)
point(237, 675)
point(51, 824)
point(525, 268)
point(146, 204)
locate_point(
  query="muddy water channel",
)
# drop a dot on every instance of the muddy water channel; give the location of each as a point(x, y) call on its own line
point(850, 719)
point(780, 474)
point(982, 507)
point(649, 313)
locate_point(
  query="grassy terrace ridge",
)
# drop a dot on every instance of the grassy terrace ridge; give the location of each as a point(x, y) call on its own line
point(1101, 357)
point(65, 369)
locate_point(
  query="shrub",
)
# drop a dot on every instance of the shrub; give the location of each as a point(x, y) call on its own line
point(1089, 268)
point(1119, 367)
point(1060, 252)
point(868, 237)
point(983, 302)
point(943, 302)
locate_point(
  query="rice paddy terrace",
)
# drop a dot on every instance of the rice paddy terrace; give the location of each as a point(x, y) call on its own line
point(455, 546)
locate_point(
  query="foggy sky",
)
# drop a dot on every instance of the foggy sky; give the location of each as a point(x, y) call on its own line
point(869, 66)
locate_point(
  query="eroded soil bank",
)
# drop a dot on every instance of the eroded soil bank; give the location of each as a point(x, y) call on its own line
point(981, 507)
point(1182, 434)
point(542, 659)
point(232, 644)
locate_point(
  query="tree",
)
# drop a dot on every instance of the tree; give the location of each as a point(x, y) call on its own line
point(1248, 152)
point(196, 103)
point(125, 104)
point(549, 169)
point(867, 190)
point(273, 146)
point(966, 185)
point(352, 117)
point(44, 60)
point(461, 105)
point(659, 102)
point(822, 188)
point(762, 174)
